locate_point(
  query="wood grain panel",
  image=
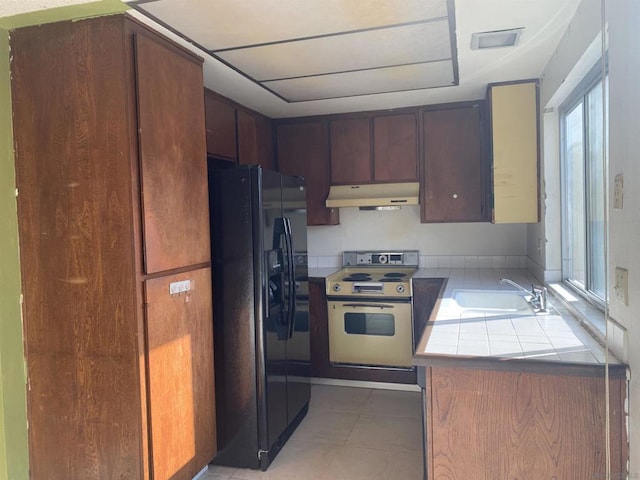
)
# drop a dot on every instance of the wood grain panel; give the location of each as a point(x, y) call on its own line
point(78, 266)
point(247, 139)
point(395, 148)
point(350, 151)
point(172, 157)
point(303, 149)
point(487, 424)
point(321, 366)
point(220, 127)
point(452, 169)
point(266, 142)
point(181, 376)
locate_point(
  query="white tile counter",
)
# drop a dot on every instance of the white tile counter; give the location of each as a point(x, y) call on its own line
point(457, 332)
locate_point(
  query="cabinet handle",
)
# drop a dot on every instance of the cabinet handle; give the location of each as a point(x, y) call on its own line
point(455, 195)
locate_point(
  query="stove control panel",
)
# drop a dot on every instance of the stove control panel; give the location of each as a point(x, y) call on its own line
point(408, 258)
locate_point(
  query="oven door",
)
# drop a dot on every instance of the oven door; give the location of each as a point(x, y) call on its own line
point(374, 333)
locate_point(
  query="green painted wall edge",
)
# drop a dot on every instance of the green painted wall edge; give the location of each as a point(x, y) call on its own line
point(72, 12)
point(14, 451)
point(14, 457)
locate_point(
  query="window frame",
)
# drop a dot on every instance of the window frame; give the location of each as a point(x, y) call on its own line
point(577, 96)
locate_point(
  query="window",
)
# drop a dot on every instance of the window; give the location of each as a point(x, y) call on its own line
point(583, 229)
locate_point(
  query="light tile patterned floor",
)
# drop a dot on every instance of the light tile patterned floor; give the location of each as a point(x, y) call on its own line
point(349, 434)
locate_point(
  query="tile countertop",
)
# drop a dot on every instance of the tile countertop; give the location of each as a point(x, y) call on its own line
point(456, 336)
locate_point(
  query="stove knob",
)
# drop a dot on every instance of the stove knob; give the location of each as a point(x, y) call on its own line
point(336, 287)
point(383, 259)
point(400, 288)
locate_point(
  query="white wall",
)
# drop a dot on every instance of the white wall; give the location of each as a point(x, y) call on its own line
point(401, 229)
point(578, 51)
point(624, 157)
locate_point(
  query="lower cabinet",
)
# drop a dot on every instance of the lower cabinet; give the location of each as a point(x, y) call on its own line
point(490, 424)
point(181, 377)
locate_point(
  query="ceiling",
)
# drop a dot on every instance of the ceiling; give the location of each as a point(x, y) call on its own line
point(305, 57)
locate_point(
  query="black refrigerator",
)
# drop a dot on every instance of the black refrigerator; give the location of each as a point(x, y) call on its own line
point(261, 317)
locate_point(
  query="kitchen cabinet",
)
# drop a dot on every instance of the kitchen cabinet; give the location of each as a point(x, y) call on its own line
point(255, 140)
point(515, 152)
point(220, 115)
point(350, 151)
point(395, 148)
point(454, 176)
point(374, 148)
point(303, 150)
point(523, 423)
point(113, 224)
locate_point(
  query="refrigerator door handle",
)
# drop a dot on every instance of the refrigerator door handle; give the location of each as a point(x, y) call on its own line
point(291, 274)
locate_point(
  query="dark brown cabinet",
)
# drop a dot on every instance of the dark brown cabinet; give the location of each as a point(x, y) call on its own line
point(395, 148)
point(376, 148)
point(255, 140)
point(303, 149)
point(220, 116)
point(454, 177)
point(350, 151)
point(111, 174)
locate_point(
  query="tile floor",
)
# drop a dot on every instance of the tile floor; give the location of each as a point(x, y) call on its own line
point(350, 433)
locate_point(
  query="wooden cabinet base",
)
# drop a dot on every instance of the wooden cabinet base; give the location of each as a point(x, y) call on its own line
point(485, 424)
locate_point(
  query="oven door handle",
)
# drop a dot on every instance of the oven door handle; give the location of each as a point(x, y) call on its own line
point(368, 305)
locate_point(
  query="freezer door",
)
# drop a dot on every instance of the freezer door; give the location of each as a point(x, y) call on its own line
point(273, 343)
point(298, 349)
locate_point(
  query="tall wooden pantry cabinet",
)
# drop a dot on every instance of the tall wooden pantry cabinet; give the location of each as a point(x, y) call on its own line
point(115, 250)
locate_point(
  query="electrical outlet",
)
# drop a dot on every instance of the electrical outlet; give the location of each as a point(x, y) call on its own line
point(618, 191)
point(621, 286)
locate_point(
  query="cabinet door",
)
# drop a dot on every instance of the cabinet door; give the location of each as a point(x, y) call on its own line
point(173, 165)
point(220, 127)
point(350, 151)
point(255, 140)
point(303, 150)
point(452, 176)
point(395, 148)
point(514, 129)
point(180, 374)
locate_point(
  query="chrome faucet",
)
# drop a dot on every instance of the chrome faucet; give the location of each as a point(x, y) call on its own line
point(537, 295)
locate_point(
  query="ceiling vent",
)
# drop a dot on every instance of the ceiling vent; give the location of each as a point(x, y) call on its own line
point(495, 39)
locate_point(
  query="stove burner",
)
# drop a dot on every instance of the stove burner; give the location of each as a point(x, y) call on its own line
point(357, 277)
point(395, 275)
point(390, 279)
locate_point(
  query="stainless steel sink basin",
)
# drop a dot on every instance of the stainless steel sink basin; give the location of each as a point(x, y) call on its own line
point(491, 301)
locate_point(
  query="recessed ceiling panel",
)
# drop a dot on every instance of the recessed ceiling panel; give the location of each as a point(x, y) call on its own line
point(356, 51)
point(220, 24)
point(382, 80)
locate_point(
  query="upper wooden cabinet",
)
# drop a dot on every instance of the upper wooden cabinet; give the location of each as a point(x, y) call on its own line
point(453, 171)
point(515, 152)
point(350, 151)
point(374, 148)
point(255, 140)
point(111, 173)
point(395, 148)
point(220, 116)
point(303, 149)
point(175, 200)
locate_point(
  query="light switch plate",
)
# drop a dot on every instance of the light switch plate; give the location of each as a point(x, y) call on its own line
point(621, 286)
point(179, 287)
point(618, 191)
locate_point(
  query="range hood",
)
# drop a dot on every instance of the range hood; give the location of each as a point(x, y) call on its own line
point(371, 196)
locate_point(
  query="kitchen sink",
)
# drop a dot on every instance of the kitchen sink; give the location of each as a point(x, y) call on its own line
point(491, 301)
